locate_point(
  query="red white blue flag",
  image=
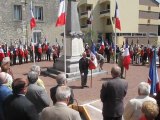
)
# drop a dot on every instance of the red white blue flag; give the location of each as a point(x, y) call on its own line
point(153, 78)
point(102, 47)
point(126, 55)
point(93, 61)
point(32, 21)
point(61, 14)
point(117, 20)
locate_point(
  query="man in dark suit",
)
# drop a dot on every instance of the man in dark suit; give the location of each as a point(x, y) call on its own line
point(61, 81)
point(83, 67)
point(112, 95)
point(17, 106)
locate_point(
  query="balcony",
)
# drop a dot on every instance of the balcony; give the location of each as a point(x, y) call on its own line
point(84, 28)
point(82, 2)
point(149, 8)
point(105, 13)
point(103, 1)
point(149, 21)
point(84, 14)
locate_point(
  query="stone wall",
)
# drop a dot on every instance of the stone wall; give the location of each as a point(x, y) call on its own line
point(11, 30)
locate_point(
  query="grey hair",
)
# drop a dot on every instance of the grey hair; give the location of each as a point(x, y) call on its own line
point(32, 77)
point(116, 71)
point(144, 88)
point(61, 79)
point(62, 93)
point(36, 68)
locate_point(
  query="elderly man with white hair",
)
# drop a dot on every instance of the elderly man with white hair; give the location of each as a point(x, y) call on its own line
point(37, 69)
point(36, 94)
point(60, 111)
point(4, 92)
point(133, 108)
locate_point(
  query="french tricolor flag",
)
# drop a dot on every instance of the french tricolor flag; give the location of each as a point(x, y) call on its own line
point(61, 14)
point(1, 54)
point(93, 61)
point(102, 46)
point(117, 20)
point(153, 78)
point(126, 55)
point(32, 21)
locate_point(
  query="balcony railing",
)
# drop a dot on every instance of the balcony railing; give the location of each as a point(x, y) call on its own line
point(84, 13)
point(104, 11)
point(84, 26)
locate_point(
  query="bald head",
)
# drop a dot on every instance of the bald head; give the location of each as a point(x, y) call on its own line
point(115, 71)
point(61, 79)
point(3, 76)
point(84, 55)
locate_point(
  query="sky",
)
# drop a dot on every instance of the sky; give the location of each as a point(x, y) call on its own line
point(158, 1)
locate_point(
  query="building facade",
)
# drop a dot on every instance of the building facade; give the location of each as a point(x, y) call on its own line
point(15, 18)
point(139, 20)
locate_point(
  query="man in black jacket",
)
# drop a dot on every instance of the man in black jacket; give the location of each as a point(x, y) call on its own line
point(17, 106)
point(83, 67)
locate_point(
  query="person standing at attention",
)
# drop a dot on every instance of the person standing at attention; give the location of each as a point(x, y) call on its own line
point(83, 67)
point(112, 95)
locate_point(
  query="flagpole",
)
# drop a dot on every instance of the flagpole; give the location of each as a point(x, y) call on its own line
point(33, 47)
point(91, 79)
point(65, 42)
point(91, 41)
point(115, 40)
point(91, 26)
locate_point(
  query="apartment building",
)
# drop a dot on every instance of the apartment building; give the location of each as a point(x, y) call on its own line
point(139, 20)
point(15, 21)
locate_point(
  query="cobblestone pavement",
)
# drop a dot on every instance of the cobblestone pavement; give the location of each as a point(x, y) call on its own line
point(90, 97)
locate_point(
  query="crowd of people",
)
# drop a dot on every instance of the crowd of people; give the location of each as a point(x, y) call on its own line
point(20, 54)
point(27, 99)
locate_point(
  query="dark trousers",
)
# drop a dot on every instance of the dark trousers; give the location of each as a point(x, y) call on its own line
point(112, 118)
point(14, 59)
point(39, 57)
point(108, 58)
point(122, 71)
point(49, 57)
point(20, 59)
point(84, 79)
point(26, 59)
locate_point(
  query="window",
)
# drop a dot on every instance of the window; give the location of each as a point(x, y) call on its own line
point(37, 37)
point(17, 12)
point(108, 21)
point(89, 7)
point(108, 6)
point(38, 13)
